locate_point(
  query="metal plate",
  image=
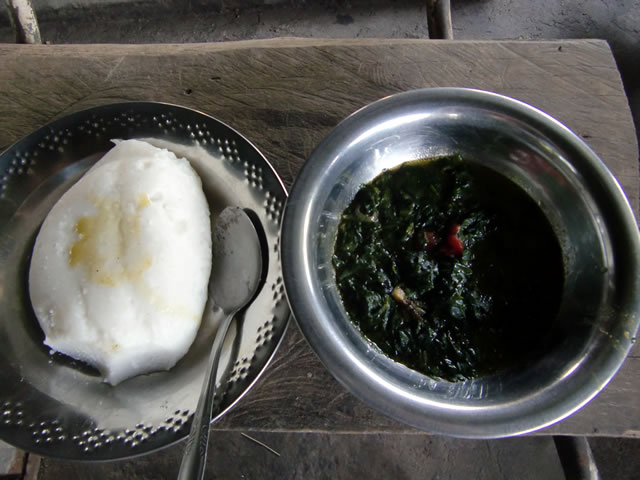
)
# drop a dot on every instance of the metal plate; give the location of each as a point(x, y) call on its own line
point(55, 406)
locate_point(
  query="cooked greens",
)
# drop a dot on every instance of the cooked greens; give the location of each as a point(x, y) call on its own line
point(449, 268)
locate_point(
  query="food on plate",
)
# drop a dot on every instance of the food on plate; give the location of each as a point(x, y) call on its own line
point(120, 268)
point(449, 268)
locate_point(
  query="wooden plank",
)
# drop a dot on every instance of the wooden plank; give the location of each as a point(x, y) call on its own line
point(285, 95)
point(11, 460)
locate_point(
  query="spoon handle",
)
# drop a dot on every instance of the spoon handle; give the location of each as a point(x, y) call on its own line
point(195, 453)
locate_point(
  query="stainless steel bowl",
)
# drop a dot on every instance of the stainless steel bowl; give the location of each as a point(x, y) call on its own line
point(598, 317)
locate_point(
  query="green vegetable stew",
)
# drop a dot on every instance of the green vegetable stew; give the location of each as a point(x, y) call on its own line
point(449, 268)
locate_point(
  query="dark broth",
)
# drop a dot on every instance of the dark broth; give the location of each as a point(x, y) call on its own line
point(449, 268)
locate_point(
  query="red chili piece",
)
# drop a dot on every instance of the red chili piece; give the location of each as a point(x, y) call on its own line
point(451, 245)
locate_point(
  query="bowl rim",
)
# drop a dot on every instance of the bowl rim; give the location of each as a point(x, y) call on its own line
point(361, 380)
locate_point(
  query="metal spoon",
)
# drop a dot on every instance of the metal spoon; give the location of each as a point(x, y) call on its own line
point(235, 277)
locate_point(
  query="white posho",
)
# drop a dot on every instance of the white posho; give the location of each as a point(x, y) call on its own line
point(121, 264)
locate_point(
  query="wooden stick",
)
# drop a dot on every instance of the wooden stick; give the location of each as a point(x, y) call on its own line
point(260, 443)
point(439, 19)
point(23, 19)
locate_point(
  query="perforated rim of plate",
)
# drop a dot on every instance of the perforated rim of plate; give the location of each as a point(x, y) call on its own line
point(56, 407)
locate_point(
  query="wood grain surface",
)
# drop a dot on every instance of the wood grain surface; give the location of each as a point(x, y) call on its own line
point(285, 95)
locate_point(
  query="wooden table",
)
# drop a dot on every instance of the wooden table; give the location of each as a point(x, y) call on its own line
point(285, 95)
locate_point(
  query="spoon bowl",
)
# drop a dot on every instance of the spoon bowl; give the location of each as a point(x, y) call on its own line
point(235, 278)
